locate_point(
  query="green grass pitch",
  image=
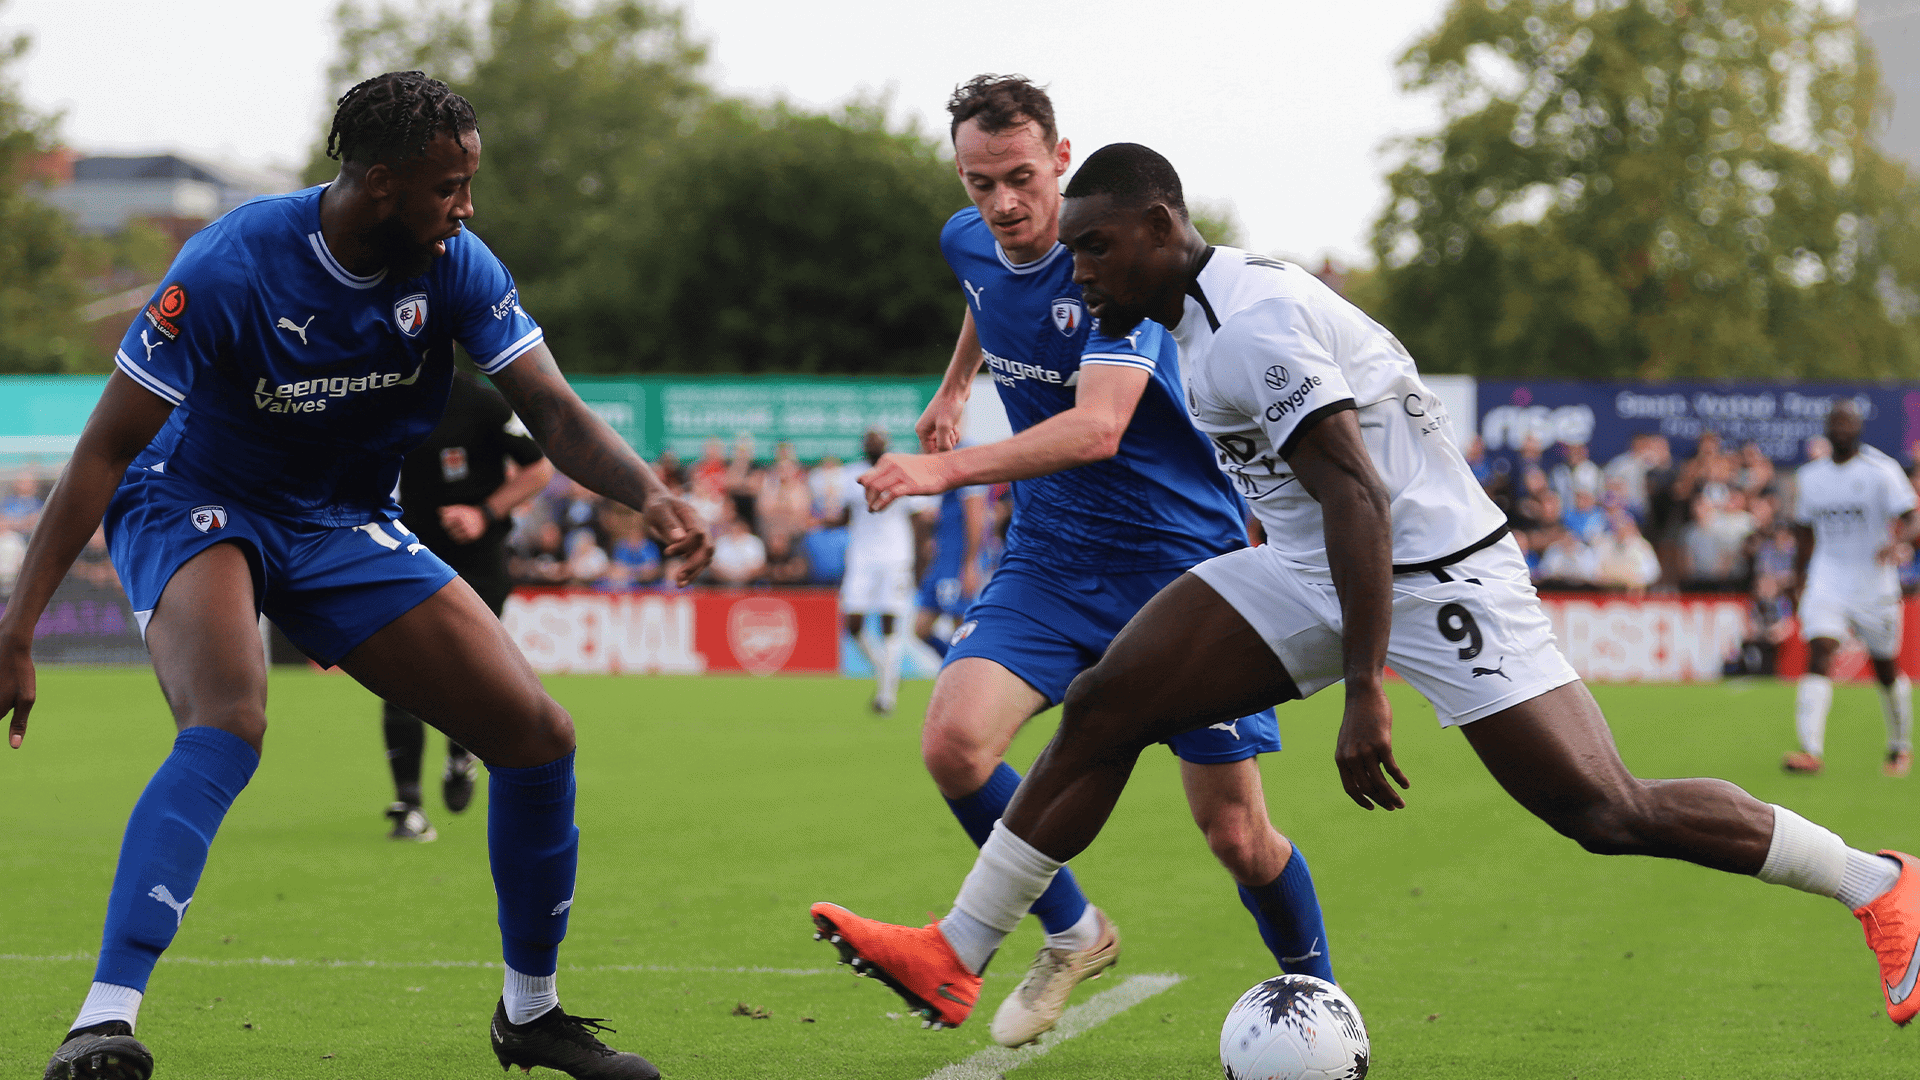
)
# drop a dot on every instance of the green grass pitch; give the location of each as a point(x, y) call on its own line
point(1476, 942)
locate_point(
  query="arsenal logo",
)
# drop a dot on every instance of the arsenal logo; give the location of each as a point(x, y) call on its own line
point(208, 518)
point(1068, 315)
point(410, 315)
point(762, 631)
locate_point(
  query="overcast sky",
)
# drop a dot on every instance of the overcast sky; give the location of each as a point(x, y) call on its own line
point(1280, 107)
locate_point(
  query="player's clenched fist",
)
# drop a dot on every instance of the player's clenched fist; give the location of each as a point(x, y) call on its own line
point(895, 475)
point(939, 425)
point(682, 533)
point(16, 690)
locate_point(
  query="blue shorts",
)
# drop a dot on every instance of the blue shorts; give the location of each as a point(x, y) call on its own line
point(942, 594)
point(1047, 625)
point(328, 588)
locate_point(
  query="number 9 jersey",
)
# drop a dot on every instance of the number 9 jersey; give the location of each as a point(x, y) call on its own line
point(1267, 351)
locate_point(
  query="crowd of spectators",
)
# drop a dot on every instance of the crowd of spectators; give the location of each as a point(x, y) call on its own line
point(20, 505)
point(1721, 521)
point(1718, 521)
point(775, 522)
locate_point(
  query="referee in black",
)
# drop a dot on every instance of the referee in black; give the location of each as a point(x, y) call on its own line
point(457, 492)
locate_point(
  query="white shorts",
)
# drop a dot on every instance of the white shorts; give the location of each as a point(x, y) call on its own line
point(1876, 620)
point(1470, 637)
point(877, 588)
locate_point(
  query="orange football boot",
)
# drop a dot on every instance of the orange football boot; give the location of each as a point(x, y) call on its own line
point(1800, 762)
point(1892, 923)
point(918, 964)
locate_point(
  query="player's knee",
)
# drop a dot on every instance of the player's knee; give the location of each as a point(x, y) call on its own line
point(548, 736)
point(955, 755)
point(1099, 711)
point(250, 724)
point(1232, 839)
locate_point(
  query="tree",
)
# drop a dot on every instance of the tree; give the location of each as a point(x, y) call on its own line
point(652, 225)
point(787, 241)
point(40, 297)
point(1650, 189)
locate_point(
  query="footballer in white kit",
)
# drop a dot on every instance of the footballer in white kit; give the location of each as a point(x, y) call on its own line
point(1267, 350)
point(879, 578)
point(1852, 511)
point(1381, 549)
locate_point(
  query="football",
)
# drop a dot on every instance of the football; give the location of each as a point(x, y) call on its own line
point(1294, 1027)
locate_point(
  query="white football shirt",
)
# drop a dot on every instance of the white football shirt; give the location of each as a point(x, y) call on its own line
point(886, 536)
point(1851, 508)
point(1267, 350)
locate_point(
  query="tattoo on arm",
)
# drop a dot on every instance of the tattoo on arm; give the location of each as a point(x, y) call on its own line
point(580, 444)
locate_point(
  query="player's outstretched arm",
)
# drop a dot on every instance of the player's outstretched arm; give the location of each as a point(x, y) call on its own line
point(939, 425)
point(1332, 465)
point(123, 423)
point(1090, 431)
point(584, 448)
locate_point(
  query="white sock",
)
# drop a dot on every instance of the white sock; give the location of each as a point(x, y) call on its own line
point(528, 997)
point(1810, 705)
point(973, 941)
point(1813, 859)
point(105, 1002)
point(1896, 702)
point(1007, 877)
point(1867, 878)
point(888, 673)
point(1080, 936)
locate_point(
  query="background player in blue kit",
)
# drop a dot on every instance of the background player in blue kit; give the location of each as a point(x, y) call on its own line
point(297, 348)
point(1116, 494)
point(953, 573)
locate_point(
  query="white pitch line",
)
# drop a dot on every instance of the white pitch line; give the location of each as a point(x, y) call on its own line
point(271, 961)
point(995, 1061)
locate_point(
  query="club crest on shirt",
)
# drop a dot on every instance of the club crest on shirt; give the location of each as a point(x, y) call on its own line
point(410, 314)
point(453, 463)
point(208, 518)
point(1068, 315)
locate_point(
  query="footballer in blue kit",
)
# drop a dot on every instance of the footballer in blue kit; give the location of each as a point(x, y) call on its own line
point(1115, 495)
point(953, 574)
point(245, 454)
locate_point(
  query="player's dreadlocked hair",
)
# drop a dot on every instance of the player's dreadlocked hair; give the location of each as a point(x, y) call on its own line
point(393, 117)
point(1001, 103)
point(1131, 172)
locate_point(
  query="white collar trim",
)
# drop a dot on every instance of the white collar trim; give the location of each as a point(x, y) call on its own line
point(340, 274)
point(1033, 267)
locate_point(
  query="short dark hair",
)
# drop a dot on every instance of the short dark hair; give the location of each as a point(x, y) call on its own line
point(1128, 171)
point(392, 117)
point(1000, 103)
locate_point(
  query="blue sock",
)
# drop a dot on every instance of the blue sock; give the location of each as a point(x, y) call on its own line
point(534, 847)
point(1063, 903)
point(165, 849)
point(1288, 913)
point(938, 644)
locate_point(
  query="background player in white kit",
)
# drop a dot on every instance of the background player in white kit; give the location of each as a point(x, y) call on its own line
point(1381, 547)
point(880, 576)
point(1853, 511)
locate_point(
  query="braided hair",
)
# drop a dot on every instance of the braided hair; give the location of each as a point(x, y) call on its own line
point(391, 118)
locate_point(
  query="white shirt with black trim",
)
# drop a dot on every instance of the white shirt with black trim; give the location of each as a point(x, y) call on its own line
point(1851, 508)
point(1266, 352)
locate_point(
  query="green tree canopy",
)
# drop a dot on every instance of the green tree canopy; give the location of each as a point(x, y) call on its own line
point(653, 225)
point(40, 297)
point(1650, 189)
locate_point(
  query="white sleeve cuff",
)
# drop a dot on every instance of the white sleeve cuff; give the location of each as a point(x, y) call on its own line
point(511, 353)
point(147, 379)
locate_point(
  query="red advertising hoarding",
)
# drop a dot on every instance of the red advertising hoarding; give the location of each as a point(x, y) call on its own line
point(580, 631)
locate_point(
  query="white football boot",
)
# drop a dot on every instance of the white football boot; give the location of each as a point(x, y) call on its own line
point(1036, 1004)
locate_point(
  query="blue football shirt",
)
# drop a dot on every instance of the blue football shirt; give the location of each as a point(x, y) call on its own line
point(1160, 502)
point(298, 387)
